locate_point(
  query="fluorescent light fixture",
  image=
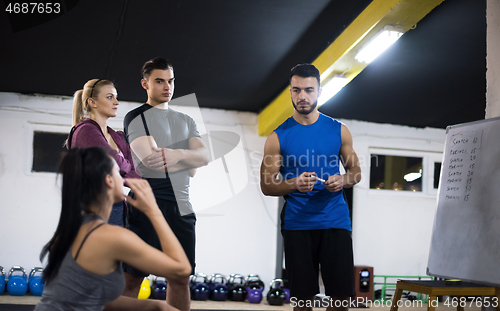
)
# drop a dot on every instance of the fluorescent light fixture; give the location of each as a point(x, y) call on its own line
point(331, 88)
point(413, 176)
point(379, 44)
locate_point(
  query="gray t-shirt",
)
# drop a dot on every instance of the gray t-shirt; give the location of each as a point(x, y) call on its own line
point(170, 129)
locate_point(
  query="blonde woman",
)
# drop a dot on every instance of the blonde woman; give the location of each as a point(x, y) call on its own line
point(93, 106)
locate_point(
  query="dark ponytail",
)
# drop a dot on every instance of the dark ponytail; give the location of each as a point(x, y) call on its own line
point(83, 184)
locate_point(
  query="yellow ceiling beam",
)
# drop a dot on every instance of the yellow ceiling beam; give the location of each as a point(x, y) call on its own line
point(339, 56)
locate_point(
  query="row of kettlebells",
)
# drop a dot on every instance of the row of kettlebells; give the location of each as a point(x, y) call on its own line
point(237, 288)
point(17, 282)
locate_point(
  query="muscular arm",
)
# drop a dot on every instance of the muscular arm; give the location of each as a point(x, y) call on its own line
point(143, 147)
point(269, 171)
point(171, 160)
point(350, 161)
point(196, 156)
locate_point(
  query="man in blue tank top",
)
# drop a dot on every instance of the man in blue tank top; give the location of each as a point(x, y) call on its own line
point(301, 162)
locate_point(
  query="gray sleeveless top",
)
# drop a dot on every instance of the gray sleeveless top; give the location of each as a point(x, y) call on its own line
point(75, 288)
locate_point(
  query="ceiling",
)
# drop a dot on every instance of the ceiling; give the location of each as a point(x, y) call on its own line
point(237, 54)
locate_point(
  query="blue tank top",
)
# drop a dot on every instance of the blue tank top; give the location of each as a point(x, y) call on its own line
point(312, 148)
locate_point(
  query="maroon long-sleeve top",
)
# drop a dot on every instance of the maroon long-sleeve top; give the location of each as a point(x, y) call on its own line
point(88, 134)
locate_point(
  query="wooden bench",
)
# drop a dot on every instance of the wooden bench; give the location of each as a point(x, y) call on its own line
point(439, 288)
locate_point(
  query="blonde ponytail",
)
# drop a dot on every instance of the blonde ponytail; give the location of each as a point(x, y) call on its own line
point(78, 112)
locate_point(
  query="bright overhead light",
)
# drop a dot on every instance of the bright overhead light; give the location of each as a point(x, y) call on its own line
point(413, 176)
point(379, 44)
point(331, 88)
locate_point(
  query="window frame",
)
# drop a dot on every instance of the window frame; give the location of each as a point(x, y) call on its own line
point(29, 137)
point(428, 160)
point(434, 159)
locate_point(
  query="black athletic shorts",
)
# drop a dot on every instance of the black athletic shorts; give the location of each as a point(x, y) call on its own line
point(307, 250)
point(182, 226)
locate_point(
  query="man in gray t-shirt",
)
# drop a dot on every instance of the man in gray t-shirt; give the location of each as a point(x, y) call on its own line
point(170, 129)
point(167, 148)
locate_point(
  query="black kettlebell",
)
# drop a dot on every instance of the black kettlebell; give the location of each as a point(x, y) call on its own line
point(276, 295)
point(237, 290)
point(254, 282)
point(230, 282)
point(199, 290)
point(159, 290)
point(192, 281)
point(211, 280)
point(219, 291)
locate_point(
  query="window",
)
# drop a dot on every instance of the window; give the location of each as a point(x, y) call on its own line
point(396, 172)
point(47, 150)
point(405, 171)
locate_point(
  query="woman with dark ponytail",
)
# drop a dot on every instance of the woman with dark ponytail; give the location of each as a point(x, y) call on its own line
point(83, 270)
point(92, 107)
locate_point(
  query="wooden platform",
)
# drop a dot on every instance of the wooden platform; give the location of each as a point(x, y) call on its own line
point(439, 288)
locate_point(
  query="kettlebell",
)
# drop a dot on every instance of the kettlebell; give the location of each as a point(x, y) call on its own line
point(254, 295)
point(255, 287)
point(2, 280)
point(276, 295)
point(159, 288)
point(192, 281)
point(211, 283)
point(199, 290)
point(145, 290)
point(254, 282)
point(237, 291)
point(35, 283)
point(219, 290)
point(230, 281)
point(29, 279)
point(287, 293)
point(17, 285)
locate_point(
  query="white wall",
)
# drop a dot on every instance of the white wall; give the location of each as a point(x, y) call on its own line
point(392, 229)
point(236, 233)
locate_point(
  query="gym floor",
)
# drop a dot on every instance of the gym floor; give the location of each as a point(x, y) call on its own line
point(205, 305)
point(231, 305)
